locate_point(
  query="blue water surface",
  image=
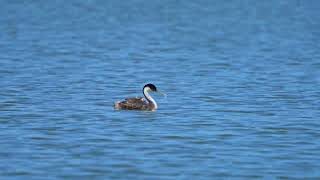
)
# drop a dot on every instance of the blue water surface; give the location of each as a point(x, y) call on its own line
point(242, 79)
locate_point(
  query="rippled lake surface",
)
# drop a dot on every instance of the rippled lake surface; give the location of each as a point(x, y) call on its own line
point(242, 79)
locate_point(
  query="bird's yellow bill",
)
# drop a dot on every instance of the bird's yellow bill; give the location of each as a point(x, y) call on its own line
point(163, 94)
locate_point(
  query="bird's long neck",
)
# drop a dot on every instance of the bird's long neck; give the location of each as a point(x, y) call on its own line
point(149, 98)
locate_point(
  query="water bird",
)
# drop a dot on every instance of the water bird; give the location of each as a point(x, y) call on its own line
point(139, 103)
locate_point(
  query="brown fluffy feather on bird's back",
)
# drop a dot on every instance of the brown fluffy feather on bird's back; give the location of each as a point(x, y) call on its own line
point(132, 103)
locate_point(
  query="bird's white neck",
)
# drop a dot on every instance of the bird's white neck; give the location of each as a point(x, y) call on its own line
point(149, 98)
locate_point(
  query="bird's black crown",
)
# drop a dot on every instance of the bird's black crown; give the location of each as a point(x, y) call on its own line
point(151, 86)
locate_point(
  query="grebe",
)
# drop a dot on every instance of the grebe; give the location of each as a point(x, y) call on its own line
point(140, 103)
